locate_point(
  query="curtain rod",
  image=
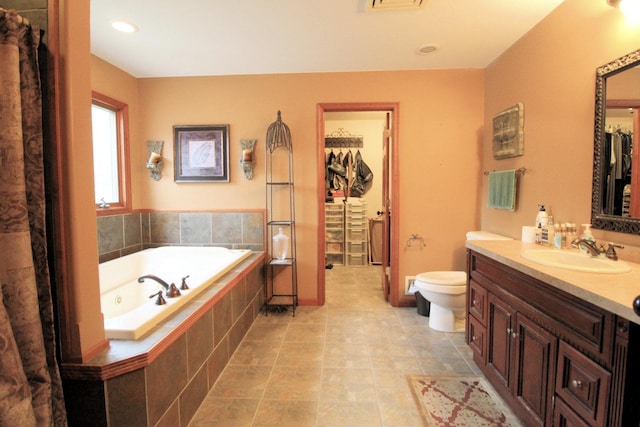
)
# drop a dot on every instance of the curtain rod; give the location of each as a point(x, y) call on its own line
point(21, 19)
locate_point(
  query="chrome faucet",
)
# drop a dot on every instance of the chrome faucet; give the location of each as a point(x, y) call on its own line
point(594, 250)
point(170, 290)
point(590, 245)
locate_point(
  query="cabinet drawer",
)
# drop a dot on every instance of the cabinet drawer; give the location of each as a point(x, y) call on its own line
point(356, 260)
point(356, 247)
point(563, 416)
point(356, 223)
point(337, 259)
point(333, 207)
point(582, 384)
point(334, 247)
point(356, 209)
point(334, 235)
point(477, 334)
point(356, 235)
point(478, 302)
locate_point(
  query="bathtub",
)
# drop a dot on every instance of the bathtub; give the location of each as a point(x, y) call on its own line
point(128, 310)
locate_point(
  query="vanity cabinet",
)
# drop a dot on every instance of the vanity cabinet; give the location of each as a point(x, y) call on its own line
point(519, 359)
point(556, 359)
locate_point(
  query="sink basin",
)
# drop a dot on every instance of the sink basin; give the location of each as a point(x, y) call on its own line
point(576, 261)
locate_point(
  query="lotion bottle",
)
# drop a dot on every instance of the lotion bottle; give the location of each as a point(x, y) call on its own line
point(542, 219)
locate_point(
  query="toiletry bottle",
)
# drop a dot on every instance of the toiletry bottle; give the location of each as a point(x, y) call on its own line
point(541, 217)
point(586, 235)
point(557, 236)
point(550, 230)
point(280, 245)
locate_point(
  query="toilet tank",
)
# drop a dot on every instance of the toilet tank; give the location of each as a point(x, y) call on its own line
point(485, 235)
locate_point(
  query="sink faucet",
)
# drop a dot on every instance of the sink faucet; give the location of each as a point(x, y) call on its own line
point(594, 250)
point(170, 290)
point(590, 245)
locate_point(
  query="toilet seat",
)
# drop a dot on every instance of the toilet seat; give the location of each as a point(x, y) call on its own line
point(447, 278)
point(444, 282)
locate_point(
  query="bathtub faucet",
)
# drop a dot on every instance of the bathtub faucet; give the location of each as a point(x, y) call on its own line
point(170, 290)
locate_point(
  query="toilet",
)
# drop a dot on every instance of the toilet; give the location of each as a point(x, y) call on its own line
point(446, 291)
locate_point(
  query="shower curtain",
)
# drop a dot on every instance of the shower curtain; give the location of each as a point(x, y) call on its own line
point(30, 385)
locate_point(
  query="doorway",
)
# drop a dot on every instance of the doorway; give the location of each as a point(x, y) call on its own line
point(384, 196)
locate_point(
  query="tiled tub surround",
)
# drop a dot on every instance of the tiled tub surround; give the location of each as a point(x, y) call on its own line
point(161, 379)
point(120, 235)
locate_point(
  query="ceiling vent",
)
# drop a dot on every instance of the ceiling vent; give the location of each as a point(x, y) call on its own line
point(395, 4)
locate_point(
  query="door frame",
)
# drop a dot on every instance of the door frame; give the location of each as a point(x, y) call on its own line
point(393, 204)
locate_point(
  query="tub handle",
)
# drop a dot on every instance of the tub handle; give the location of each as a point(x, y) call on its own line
point(160, 299)
point(184, 286)
point(173, 291)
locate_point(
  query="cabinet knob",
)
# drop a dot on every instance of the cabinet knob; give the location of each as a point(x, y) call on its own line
point(636, 305)
point(474, 302)
point(576, 383)
point(508, 331)
point(514, 335)
point(474, 338)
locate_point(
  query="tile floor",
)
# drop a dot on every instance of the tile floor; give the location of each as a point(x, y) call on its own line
point(341, 364)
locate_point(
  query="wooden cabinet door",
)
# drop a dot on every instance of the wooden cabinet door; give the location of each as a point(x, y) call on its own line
point(534, 369)
point(499, 346)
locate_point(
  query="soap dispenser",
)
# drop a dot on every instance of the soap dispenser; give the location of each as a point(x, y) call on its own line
point(586, 235)
point(542, 219)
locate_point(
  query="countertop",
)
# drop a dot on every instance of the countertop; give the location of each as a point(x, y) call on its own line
point(613, 292)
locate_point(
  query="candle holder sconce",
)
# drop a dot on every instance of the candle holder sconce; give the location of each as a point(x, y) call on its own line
point(248, 158)
point(155, 162)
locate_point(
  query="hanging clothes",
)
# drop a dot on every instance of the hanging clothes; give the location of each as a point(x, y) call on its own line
point(617, 163)
point(362, 175)
point(329, 173)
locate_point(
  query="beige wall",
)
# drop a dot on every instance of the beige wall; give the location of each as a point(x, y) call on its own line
point(552, 71)
point(439, 149)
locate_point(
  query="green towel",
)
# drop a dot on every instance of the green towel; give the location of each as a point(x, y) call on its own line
point(502, 190)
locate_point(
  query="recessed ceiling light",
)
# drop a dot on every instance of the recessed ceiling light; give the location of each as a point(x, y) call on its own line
point(124, 26)
point(427, 49)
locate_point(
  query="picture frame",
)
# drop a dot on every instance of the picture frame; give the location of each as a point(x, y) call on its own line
point(201, 153)
point(508, 132)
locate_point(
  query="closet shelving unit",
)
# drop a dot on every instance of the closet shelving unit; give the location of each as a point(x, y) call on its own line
point(281, 284)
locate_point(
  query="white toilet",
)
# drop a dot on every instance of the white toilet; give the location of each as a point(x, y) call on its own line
point(446, 291)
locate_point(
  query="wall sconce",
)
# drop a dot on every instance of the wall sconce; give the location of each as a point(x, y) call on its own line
point(248, 158)
point(629, 8)
point(155, 162)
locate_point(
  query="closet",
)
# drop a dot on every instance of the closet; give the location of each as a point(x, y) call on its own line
point(352, 185)
point(347, 179)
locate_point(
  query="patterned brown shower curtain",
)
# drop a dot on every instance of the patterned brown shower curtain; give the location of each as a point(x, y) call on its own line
point(30, 385)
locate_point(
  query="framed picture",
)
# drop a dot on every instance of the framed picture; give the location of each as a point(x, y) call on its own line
point(508, 132)
point(201, 153)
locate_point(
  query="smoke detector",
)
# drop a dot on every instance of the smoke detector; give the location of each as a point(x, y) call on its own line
point(395, 4)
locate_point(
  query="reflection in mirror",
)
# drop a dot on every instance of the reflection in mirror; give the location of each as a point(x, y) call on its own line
point(616, 193)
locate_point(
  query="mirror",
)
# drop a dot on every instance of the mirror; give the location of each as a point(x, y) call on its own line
point(616, 157)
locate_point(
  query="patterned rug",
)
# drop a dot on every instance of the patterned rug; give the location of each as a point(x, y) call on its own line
point(452, 401)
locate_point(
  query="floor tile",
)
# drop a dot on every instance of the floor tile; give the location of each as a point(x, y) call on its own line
point(341, 364)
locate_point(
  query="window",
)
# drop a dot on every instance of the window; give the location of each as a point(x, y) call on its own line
point(109, 120)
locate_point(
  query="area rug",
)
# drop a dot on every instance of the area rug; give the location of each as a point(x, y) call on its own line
point(452, 401)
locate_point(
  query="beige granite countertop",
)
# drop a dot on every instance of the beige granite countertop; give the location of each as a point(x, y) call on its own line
point(613, 292)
